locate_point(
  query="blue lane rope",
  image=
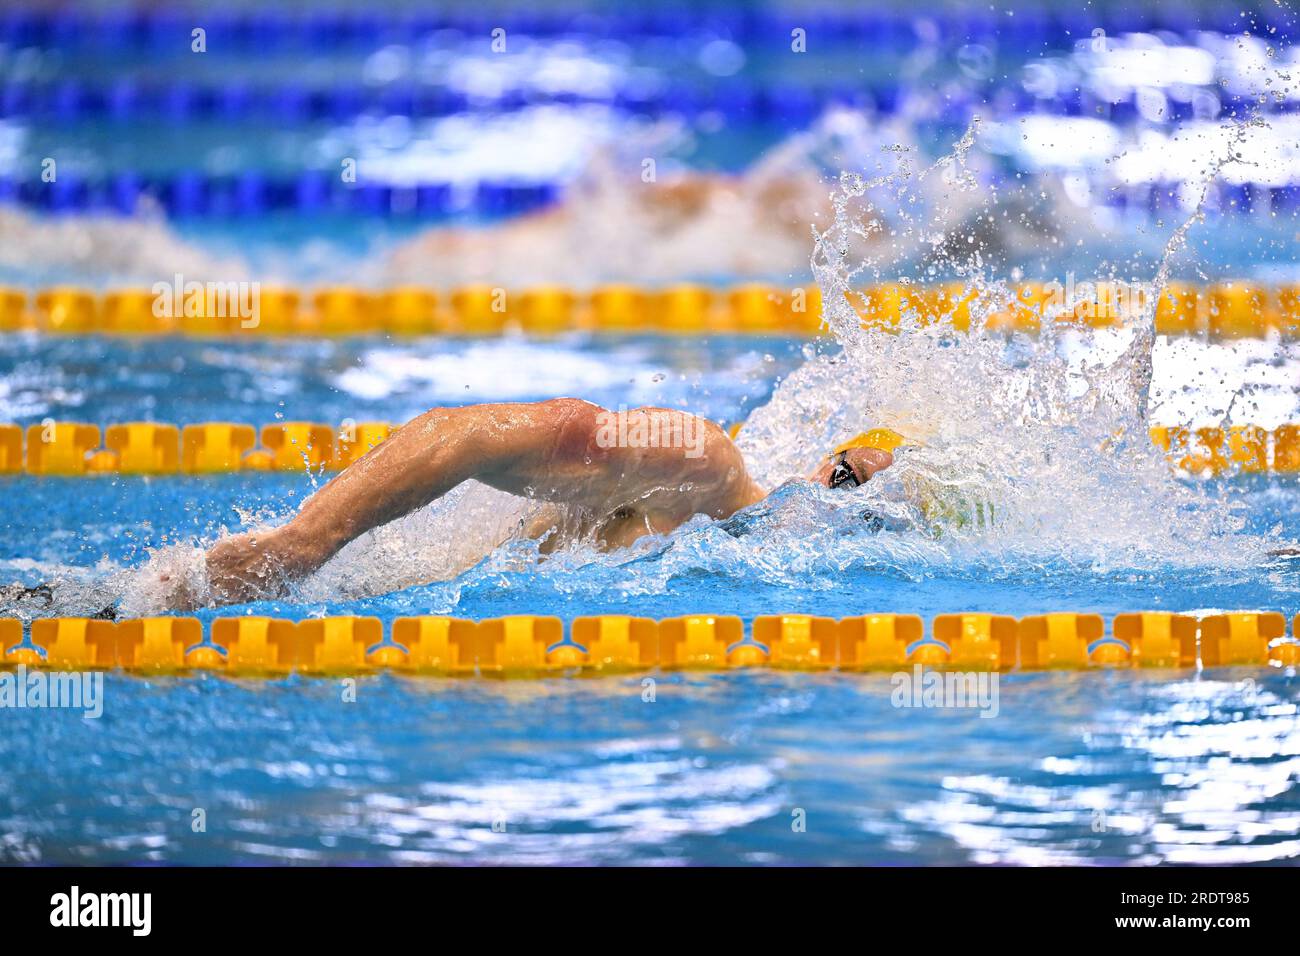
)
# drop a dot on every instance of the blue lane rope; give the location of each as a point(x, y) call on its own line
point(73, 100)
point(123, 100)
point(191, 194)
point(316, 29)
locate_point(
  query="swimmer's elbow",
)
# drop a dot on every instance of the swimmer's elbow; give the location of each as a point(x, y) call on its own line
point(568, 407)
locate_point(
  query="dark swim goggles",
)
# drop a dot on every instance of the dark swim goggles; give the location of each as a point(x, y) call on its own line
point(841, 473)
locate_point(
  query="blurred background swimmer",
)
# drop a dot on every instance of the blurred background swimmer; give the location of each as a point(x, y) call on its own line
point(621, 217)
point(624, 218)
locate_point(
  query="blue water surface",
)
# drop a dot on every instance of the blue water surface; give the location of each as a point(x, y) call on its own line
point(749, 767)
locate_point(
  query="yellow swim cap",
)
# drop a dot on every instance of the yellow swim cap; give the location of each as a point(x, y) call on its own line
point(883, 439)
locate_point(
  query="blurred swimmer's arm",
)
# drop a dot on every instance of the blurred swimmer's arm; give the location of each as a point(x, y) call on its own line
point(508, 446)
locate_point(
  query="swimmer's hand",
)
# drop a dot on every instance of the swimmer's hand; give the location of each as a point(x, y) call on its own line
point(253, 566)
point(11, 595)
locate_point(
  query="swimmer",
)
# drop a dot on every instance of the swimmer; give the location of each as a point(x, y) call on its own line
point(564, 451)
point(745, 225)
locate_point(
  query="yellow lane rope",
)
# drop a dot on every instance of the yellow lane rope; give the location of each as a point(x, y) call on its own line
point(156, 448)
point(242, 309)
point(535, 646)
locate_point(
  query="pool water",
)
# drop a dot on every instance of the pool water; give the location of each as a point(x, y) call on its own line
point(748, 767)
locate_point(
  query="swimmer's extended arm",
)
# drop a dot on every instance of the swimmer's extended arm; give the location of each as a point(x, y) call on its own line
point(508, 446)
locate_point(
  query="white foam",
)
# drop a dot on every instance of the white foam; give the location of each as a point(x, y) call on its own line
point(503, 370)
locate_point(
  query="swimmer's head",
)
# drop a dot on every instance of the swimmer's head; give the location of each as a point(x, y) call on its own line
point(852, 467)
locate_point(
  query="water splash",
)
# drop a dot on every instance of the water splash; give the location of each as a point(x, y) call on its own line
point(1028, 447)
point(104, 250)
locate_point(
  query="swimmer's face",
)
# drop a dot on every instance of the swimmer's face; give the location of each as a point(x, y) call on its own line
point(852, 468)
